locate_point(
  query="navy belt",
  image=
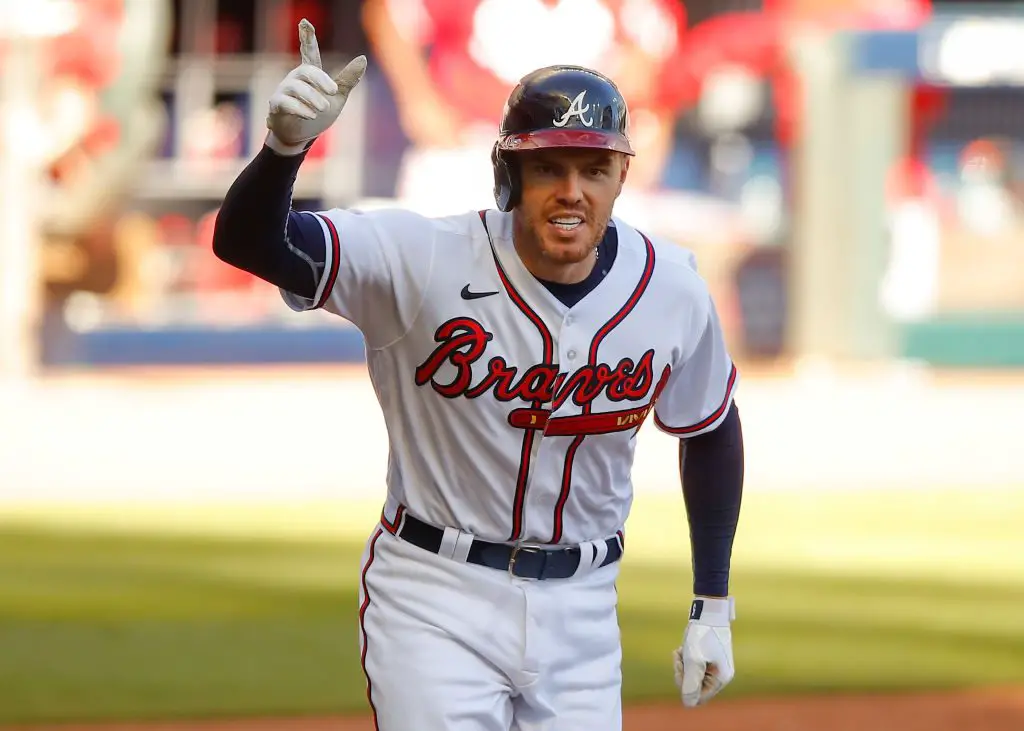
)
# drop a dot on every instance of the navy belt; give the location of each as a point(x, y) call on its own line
point(525, 561)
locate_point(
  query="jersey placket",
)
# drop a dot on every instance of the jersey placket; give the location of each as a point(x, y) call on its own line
point(536, 478)
point(572, 354)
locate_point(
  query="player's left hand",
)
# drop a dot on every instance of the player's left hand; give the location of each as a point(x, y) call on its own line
point(703, 663)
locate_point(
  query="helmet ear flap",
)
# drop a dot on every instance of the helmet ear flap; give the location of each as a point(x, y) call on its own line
point(506, 180)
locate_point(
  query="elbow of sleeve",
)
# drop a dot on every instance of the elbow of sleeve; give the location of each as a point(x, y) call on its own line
point(223, 240)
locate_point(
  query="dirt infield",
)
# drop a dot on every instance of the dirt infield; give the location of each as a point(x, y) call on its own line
point(989, 710)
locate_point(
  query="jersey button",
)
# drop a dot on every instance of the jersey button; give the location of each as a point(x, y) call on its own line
point(572, 355)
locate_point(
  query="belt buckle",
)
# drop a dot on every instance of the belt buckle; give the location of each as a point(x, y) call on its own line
point(522, 548)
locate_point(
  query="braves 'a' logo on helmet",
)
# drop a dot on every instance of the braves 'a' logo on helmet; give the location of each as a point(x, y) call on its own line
point(576, 109)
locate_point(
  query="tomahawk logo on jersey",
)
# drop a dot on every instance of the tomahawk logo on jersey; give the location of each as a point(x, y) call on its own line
point(549, 398)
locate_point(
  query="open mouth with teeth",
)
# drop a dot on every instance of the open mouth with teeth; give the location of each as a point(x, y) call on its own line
point(566, 223)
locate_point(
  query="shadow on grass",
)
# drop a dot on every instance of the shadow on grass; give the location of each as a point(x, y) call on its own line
point(96, 626)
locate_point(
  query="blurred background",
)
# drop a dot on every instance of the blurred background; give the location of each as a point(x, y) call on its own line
point(848, 173)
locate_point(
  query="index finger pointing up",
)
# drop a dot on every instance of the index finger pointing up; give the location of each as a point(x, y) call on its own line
point(309, 49)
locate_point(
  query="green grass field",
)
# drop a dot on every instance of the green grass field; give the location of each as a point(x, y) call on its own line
point(146, 612)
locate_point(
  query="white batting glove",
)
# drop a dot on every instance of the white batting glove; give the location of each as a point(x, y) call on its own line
point(704, 664)
point(308, 101)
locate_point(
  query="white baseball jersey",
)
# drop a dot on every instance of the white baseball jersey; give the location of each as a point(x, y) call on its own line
point(511, 416)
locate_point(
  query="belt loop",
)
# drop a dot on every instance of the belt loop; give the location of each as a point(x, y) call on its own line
point(600, 552)
point(449, 543)
point(588, 551)
point(463, 542)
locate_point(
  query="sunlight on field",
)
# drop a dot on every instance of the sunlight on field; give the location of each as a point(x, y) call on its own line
point(300, 520)
point(154, 610)
point(966, 535)
point(963, 535)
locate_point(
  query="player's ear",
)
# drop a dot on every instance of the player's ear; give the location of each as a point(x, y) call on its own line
point(623, 171)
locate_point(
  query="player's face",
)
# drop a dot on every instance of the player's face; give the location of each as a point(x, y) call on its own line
point(566, 203)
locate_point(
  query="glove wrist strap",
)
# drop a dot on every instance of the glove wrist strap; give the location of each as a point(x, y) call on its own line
point(714, 612)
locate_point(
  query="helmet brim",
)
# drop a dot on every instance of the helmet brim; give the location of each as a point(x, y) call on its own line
point(543, 139)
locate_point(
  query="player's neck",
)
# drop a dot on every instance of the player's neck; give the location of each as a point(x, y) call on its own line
point(532, 256)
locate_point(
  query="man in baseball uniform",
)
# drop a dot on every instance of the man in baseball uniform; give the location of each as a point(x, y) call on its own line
point(515, 353)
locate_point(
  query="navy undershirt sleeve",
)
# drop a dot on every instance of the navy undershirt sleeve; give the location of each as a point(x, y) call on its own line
point(257, 231)
point(711, 466)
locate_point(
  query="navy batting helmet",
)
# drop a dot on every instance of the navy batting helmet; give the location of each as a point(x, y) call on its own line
point(557, 106)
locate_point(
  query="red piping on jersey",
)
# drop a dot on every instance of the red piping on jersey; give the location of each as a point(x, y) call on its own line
point(392, 527)
point(563, 495)
point(715, 415)
point(362, 626)
point(332, 275)
point(519, 502)
point(665, 374)
point(599, 336)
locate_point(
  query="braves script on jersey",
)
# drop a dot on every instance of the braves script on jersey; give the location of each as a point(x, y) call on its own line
point(510, 416)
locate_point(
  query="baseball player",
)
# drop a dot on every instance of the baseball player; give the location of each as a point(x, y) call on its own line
point(515, 353)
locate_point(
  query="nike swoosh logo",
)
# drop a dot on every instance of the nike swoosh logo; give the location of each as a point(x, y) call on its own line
point(467, 295)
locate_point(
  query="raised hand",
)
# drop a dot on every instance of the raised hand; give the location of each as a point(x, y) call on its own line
point(308, 101)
